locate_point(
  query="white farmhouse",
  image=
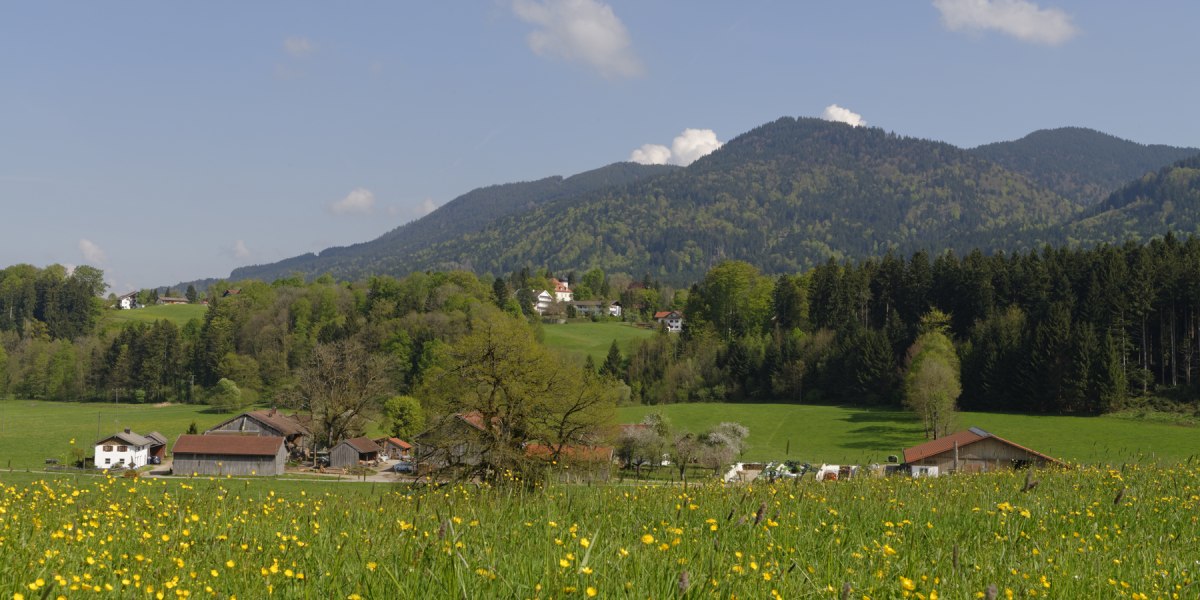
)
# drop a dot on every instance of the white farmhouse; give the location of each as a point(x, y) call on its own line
point(129, 450)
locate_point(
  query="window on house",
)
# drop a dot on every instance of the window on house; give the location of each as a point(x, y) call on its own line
point(122, 448)
point(108, 461)
point(108, 448)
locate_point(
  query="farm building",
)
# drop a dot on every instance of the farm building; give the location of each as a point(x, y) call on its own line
point(229, 455)
point(353, 451)
point(459, 439)
point(271, 423)
point(395, 448)
point(129, 450)
point(972, 451)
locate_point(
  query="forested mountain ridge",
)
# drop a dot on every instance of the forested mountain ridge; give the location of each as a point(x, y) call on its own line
point(1081, 164)
point(467, 213)
point(784, 196)
point(1166, 200)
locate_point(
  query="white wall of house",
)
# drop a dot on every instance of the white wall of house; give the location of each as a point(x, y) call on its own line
point(113, 452)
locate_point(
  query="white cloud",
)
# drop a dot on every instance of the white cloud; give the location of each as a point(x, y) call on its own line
point(584, 31)
point(240, 250)
point(427, 206)
point(1021, 19)
point(299, 46)
point(359, 201)
point(685, 149)
point(651, 154)
point(91, 252)
point(836, 113)
point(693, 144)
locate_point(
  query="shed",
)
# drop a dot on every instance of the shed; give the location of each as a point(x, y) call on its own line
point(395, 448)
point(456, 440)
point(974, 451)
point(351, 452)
point(229, 455)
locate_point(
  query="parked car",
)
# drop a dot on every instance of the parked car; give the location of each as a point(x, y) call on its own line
point(404, 467)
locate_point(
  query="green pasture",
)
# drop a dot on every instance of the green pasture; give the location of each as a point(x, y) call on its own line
point(180, 314)
point(835, 434)
point(594, 339)
point(32, 430)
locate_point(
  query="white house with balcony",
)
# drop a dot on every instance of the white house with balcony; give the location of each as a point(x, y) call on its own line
point(128, 450)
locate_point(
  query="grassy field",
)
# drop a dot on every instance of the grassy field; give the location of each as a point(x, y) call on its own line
point(180, 314)
point(32, 431)
point(836, 434)
point(1083, 533)
point(594, 338)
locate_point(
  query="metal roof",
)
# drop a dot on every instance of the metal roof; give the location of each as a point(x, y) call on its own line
point(237, 445)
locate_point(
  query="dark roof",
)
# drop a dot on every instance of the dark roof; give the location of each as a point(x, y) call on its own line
point(156, 438)
point(963, 438)
point(362, 444)
point(236, 445)
point(128, 437)
point(288, 425)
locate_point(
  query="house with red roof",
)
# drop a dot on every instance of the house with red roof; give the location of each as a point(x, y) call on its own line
point(673, 320)
point(395, 448)
point(972, 451)
point(354, 452)
point(229, 455)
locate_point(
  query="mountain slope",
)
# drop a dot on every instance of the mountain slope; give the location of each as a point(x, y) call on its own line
point(1167, 200)
point(784, 196)
point(1081, 164)
point(465, 214)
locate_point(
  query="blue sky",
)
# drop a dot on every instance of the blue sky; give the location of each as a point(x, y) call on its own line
point(168, 141)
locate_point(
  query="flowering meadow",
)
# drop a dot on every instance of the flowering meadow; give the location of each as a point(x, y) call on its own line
point(1129, 532)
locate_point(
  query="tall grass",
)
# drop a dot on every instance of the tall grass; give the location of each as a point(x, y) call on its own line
point(1081, 533)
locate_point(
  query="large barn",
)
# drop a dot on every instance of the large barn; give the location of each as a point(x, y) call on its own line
point(269, 422)
point(972, 451)
point(229, 455)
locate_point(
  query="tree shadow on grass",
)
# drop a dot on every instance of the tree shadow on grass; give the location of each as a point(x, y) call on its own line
point(895, 429)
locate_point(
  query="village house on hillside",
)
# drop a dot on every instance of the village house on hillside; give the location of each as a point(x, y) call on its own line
point(673, 320)
point(562, 291)
point(590, 308)
point(128, 450)
point(269, 422)
point(972, 451)
point(128, 301)
point(229, 455)
point(172, 300)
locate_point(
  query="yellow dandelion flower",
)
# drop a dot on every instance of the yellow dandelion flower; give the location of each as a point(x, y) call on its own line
point(647, 539)
point(907, 584)
point(591, 592)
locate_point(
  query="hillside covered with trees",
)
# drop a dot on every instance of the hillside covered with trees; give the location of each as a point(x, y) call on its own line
point(785, 197)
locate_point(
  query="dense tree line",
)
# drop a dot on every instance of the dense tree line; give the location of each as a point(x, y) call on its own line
point(1058, 330)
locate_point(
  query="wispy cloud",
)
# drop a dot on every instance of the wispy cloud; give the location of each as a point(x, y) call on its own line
point(834, 112)
point(427, 206)
point(585, 31)
point(1021, 19)
point(359, 201)
point(299, 46)
point(91, 252)
point(686, 148)
point(240, 250)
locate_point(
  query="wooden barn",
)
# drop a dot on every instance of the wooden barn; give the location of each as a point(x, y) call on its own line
point(271, 423)
point(973, 451)
point(354, 451)
point(459, 439)
point(229, 455)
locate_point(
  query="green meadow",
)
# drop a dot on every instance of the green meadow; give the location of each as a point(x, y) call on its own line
point(179, 314)
point(835, 434)
point(32, 430)
point(594, 339)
